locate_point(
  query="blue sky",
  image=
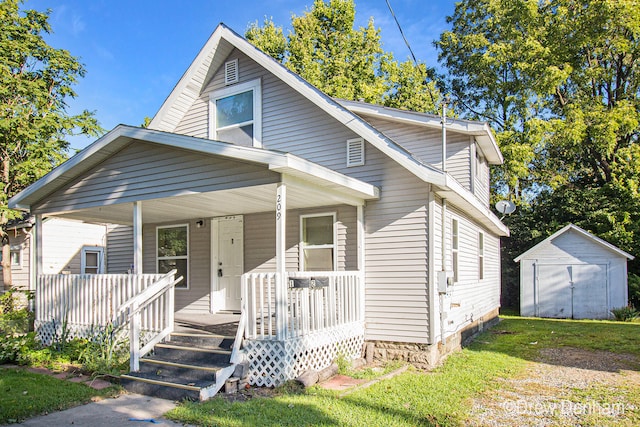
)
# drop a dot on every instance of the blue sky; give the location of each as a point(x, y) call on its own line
point(135, 51)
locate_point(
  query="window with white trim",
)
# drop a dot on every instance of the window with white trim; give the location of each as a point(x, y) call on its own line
point(15, 255)
point(236, 114)
point(480, 255)
point(92, 260)
point(172, 243)
point(454, 248)
point(317, 242)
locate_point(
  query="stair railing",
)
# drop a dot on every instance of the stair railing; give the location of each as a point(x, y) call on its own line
point(155, 304)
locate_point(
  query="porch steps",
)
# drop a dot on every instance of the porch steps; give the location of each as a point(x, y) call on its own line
point(192, 365)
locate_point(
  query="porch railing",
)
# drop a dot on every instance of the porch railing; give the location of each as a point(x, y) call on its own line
point(158, 301)
point(314, 301)
point(80, 305)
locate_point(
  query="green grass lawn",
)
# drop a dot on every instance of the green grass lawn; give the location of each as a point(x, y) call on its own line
point(440, 397)
point(24, 394)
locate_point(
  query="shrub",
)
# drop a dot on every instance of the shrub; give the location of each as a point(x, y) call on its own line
point(625, 314)
point(15, 318)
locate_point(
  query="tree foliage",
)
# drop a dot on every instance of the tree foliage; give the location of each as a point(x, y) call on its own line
point(35, 82)
point(560, 81)
point(325, 49)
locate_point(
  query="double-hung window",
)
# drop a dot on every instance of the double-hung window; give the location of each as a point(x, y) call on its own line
point(92, 261)
point(173, 251)
point(15, 256)
point(480, 255)
point(318, 242)
point(236, 114)
point(454, 248)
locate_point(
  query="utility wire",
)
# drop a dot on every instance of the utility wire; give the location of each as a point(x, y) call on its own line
point(413, 56)
point(402, 33)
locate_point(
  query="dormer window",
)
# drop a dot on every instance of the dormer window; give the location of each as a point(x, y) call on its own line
point(236, 114)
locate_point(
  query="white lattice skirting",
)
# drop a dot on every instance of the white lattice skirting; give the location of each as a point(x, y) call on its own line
point(50, 331)
point(273, 362)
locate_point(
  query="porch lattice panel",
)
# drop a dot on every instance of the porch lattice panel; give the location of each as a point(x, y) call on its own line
point(49, 332)
point(273, 362)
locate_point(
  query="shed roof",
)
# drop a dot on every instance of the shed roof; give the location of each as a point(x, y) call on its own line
point(583, 233)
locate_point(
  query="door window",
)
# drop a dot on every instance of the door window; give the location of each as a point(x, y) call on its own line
point(173, 252)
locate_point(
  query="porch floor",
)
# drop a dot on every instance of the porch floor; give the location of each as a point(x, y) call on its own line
point(225, 323)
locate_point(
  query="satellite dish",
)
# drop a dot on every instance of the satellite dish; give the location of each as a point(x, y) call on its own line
point(505, 207)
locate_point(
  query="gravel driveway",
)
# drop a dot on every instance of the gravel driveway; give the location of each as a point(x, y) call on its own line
point(566, 387)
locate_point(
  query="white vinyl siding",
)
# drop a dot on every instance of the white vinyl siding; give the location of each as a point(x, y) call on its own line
point(119, 249)
point(471, 298)
point(426, 145)
point(62, 242)
point(481, 185)
point(144, 171)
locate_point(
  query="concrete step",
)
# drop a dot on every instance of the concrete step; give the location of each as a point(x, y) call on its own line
point(150, 385)
point(181, 372)
point(202, 340)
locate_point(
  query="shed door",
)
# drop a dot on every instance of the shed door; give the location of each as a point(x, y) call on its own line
point(554, 291)
point(577, 291)
point(590, 292)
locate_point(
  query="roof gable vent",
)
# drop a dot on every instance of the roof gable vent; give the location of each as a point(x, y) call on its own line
point(355, 152)
point(231, 72)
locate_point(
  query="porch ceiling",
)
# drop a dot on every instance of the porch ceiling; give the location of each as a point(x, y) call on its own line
point(207, 205)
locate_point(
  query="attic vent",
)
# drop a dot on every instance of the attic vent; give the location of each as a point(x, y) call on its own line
point(231, 72)
point(355, 152)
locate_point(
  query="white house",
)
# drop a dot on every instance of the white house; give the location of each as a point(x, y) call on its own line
point(325, 222)
point(573, 274)
point(68, 247)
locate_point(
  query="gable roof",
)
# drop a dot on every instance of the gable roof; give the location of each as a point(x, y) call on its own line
point(224, 40)
point(480, 130)
point(122, 135)
point(580, 231)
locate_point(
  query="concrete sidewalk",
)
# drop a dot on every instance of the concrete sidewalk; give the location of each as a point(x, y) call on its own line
point(109, 412)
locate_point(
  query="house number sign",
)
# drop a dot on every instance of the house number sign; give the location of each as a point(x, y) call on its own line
point(278, 207)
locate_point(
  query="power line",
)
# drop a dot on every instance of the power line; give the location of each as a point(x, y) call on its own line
point(415, 61)
point(402, 33)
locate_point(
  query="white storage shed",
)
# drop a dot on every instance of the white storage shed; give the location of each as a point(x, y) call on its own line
point(573, 274)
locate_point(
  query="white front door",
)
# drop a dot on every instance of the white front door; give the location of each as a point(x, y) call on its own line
point(227, 262)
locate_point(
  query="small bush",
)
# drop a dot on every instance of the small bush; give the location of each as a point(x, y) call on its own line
point(15, 318)
point(13, 348)
point(625, 314)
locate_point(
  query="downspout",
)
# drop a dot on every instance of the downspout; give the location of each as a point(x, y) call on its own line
point(443, 219)
point(441, 295)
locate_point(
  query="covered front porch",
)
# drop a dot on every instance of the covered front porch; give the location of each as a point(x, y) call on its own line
point(272, 236)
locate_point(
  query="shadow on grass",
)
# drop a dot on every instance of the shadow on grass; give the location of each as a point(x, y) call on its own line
point(551, 341)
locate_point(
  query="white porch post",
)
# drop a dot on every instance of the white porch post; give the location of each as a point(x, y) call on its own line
point(137, 237)
point(281, 238)
point(360, 257)
point(39, 262)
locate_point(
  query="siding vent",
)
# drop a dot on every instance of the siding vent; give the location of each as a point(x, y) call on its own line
point(231, 72)
point(355, 152)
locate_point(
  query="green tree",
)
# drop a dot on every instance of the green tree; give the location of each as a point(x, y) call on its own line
point(560, 80)
point(35, 82)
point(326, 50)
